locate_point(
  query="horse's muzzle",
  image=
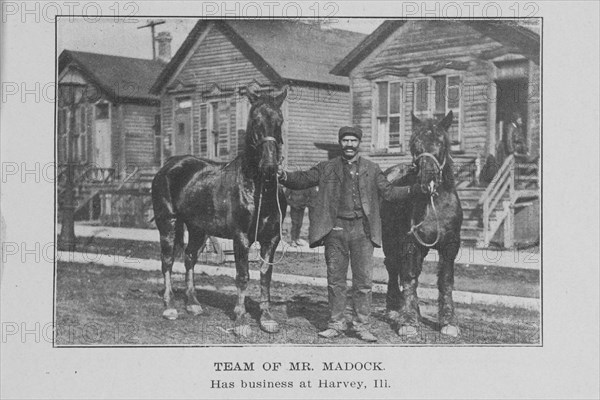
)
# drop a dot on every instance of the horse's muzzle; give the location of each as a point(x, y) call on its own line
point(268, 170)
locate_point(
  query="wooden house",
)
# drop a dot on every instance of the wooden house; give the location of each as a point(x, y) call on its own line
point(116, 120)
point(203, 111)
point(110, 127)
point(481, 70)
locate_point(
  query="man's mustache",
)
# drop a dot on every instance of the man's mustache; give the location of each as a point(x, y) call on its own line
point(349, 148)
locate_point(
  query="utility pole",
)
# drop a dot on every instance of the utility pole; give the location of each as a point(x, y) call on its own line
point(151, 24)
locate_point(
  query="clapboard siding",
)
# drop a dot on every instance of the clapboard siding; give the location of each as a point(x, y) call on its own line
point(420, 43)
point(215, 63)
point(314, 116)
point(534, 120)
point(138, 123)
point(218, 61)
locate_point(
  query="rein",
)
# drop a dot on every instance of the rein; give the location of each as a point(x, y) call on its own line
point(260, 196)
point(414, 228)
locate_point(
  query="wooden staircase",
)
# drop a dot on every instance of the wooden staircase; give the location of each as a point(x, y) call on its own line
point(487, 210)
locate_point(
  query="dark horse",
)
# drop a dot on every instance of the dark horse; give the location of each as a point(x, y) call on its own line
point(213, 199)
point(412, 227)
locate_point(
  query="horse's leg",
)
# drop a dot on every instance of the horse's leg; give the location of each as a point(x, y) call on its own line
point(267, 322)
point(410, 269)
point(197, 239)
point(446, 317)
point(392, 243)
point(392, 298)
point(241, 248)
point(166, 228)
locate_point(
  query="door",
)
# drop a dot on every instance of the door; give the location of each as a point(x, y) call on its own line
point(183, 131)
point(511, 97)
point(102, 136)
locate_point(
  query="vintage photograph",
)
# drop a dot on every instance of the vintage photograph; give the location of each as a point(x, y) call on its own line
point(298, 181)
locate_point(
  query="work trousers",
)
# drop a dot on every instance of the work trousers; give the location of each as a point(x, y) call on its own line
point(296, 215)
point(347, 242)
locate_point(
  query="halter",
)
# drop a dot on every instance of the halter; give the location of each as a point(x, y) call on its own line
point(414, 228)
point(264, 140)
point(439, 166)
point(260, 196)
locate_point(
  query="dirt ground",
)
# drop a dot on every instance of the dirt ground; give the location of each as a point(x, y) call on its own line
point(98, 305)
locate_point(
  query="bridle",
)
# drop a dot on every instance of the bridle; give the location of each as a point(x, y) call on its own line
point(432, 193)
point(266, 263)
point(264, 140)
point(440, 167)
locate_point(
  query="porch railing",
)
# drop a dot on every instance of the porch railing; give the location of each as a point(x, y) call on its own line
point(104, 178)
point(503, 183)
point(503, 188)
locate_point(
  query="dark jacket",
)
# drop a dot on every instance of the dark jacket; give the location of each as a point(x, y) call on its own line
point(328, 175)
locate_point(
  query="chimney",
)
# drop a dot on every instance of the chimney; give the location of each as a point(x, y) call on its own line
point(164, 46)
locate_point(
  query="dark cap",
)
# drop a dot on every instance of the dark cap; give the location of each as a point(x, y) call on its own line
point(350, 131)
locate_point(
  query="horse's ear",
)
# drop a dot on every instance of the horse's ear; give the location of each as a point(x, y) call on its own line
point(280, 98)
point(415, 120)
point(447, 121)
point(251, 95)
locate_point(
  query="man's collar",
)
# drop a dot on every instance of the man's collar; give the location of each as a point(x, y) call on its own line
point(353, 160)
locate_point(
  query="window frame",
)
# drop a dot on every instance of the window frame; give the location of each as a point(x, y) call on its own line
point(210, 130)
point(381, 140)
point(431, 99)
point(82, 129)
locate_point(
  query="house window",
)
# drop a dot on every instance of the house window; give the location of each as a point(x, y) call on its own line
point(209, 128)
point(102, 111)
point(242, 111)
point(184, 103)
point(83, 134)
point(389, 115)
point(436, 96)
point(157, 139)
point(214, 130)
point(203, 127)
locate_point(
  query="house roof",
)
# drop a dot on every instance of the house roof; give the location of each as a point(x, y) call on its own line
point(121, 78)
point(511, 35)
point(284, 51)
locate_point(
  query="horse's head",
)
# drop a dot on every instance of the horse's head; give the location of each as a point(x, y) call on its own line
point(429, 145)
point(263, 134)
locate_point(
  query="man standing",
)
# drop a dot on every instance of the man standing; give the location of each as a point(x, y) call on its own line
point(299, 200)
point(347, 221)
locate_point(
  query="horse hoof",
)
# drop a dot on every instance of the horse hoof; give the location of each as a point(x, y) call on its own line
point(269, 326)
point(170, 314)
point(194, 309)
point(408, 331)
point(450, 330)
point(242, 330)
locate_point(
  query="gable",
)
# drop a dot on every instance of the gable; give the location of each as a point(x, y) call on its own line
point(440, 34)
point(427, 46)
point(215, 60)
point(120, 78)
point(70, 75)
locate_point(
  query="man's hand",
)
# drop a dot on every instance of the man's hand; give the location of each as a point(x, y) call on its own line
point(281, 173)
